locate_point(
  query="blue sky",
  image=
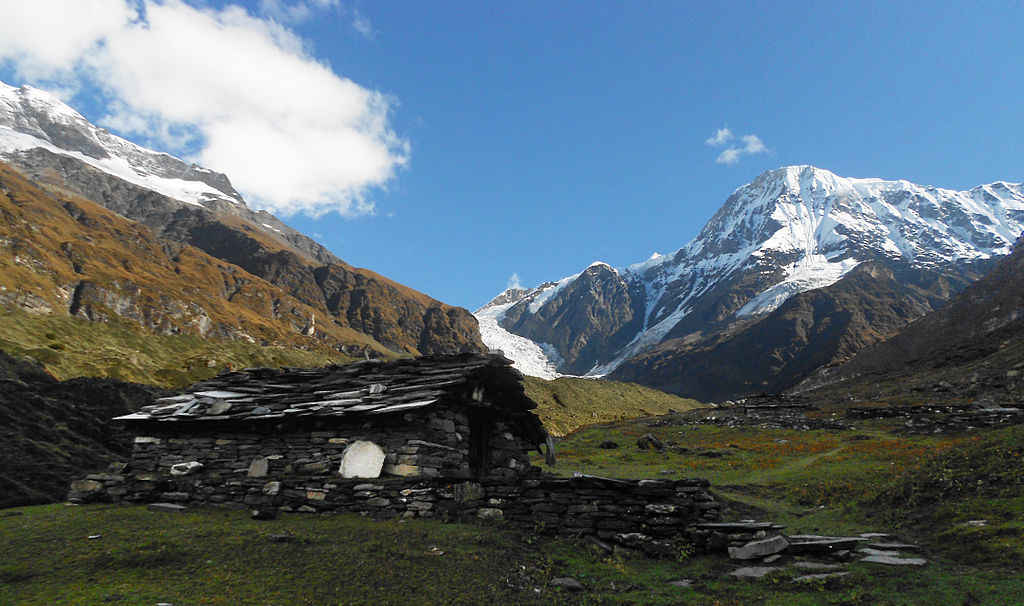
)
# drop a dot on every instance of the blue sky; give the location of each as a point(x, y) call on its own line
point(532, 138)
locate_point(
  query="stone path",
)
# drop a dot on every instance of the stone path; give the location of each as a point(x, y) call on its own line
point(831, 554)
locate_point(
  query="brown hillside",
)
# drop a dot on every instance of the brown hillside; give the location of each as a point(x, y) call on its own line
point(62, 254)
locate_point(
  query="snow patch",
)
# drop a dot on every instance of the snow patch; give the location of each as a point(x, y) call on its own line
point(530, 358)
point(807, 274)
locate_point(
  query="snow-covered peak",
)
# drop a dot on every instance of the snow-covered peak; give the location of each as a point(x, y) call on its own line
point(797, 228)
point(31, 118)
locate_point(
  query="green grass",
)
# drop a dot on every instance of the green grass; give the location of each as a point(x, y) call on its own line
point(868, 479)
point(74, 347)
point(223, 557)
point(568, 403)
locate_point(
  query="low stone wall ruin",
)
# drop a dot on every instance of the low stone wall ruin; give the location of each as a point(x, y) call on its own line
point(649, 515)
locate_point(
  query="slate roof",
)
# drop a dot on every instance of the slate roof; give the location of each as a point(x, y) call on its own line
point(363, 389)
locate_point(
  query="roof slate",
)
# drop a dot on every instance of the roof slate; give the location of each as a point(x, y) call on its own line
point(361, 389)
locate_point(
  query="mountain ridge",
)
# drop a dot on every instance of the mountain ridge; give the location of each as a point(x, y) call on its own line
point(790, 230)
point(190, 211)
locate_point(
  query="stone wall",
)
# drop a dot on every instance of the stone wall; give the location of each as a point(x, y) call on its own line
point(653, 516)
point(422, 444)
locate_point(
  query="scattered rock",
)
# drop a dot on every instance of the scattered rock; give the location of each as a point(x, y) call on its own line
point(567, 583)
point(168, 507)
point(682, 583)
point(281, 538)
point(264, 513)
point(648, 441)
point(753, 572)
point(772, 558)
point(976, 523)
point(434, 551)
point(93, 537)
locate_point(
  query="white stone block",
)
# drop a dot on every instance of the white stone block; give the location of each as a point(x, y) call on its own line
point(362, 459)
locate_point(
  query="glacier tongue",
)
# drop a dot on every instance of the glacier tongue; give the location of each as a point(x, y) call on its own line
point(534, 359)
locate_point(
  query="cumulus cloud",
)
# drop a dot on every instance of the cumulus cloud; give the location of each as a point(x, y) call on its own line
point(513, 282)
point(241, 91)
point(750, 145)
point(721, 137)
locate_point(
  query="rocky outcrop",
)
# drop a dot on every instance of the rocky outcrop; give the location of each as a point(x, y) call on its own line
point(590, 319)
point(817, 328)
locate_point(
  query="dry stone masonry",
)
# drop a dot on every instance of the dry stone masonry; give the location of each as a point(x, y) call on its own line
point(444, 437)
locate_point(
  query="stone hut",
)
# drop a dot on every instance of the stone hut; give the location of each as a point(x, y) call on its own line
point(446, 437)
point(460, 417)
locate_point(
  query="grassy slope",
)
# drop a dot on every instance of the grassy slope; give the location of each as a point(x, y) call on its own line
point(869, 478)
point(73, 347)
point(567, 404)
point(49, 243)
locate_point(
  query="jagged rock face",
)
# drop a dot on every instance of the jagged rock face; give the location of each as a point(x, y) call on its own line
point(186, 204)
point(972, 348)
point(790, 231)
point(589, 319)
point(816, 328)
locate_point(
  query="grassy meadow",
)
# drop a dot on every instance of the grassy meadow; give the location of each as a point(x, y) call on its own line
point(924, 489)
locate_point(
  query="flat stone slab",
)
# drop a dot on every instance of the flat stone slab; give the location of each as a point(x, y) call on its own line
point(816, 566)
point(896, 546)
point(168, 507)
point(892, 561)
point(738, 526)
point(753, 572)
point(823, 545)
point(807, 578)
point(877, 552)
point(759, 549)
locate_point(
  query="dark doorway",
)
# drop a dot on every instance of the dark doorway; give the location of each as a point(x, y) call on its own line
point(479, 438)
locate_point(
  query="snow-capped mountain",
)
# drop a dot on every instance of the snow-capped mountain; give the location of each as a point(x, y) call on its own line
point(789, 231)
point(31, 118)
point(55, 147)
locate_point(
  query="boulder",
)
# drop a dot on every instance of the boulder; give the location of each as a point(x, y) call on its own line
point(648, 441)
point(567, 583)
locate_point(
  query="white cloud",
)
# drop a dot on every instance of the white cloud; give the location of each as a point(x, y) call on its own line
point(513, 282)
point(297, 11)
point(752, 144)
point(721, 137)
point(243, 90)
point(362, 25)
